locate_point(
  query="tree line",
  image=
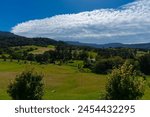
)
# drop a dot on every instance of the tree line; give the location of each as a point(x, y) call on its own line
point(102, 63)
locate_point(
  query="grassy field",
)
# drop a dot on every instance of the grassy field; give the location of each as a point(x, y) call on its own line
point(61, 82)
point(36, 49)
point(41, 50)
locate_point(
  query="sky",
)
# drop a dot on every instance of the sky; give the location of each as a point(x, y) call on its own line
point(88, 21)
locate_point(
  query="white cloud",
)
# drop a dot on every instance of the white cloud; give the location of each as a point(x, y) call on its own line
point(127, 24)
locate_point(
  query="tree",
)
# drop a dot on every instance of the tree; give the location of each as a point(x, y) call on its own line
point(103, 66)
point(145, 64)
point(31, 57)
point(83, 55)
point(27, 86)
point(125, 83)
point(4, 57)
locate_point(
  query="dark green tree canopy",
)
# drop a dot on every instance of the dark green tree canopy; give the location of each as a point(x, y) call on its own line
point(27, 86)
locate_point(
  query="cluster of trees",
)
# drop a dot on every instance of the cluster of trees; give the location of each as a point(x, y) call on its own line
point(110, 58)
point(105, 65)
point(103, 62)
point(124, 53)
point(107, 60)
point(62, 53)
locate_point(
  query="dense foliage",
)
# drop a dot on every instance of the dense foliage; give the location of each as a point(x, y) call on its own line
point(125, 83)
point(125, 53)
point(145, 64)
point(27, 86)
point(105, 65)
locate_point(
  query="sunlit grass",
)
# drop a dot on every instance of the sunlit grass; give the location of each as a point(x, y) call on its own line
point(61, 82)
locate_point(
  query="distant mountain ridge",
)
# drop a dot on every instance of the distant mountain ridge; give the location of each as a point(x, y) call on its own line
point(112, 45)
point(9, 39)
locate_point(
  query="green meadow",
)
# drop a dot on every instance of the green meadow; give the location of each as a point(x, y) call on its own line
point(61, 82)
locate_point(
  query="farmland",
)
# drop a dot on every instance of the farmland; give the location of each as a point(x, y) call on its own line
point(61, 82)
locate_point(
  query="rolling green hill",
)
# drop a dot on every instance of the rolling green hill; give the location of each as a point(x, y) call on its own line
point(9, 40)
point(61, 82)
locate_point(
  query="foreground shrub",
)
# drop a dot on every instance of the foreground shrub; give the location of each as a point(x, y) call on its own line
point(27, 86)
point(125, 83)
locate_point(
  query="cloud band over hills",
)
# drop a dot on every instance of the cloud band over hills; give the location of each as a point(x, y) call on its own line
point(127, 24)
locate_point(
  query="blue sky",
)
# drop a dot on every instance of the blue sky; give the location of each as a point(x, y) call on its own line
point(13, 12)
point(88, 21)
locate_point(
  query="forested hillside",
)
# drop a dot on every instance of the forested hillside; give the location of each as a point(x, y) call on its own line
point(9, 40)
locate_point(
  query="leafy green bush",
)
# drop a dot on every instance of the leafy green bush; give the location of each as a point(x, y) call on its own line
point(27, 86)
point(125, 83)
